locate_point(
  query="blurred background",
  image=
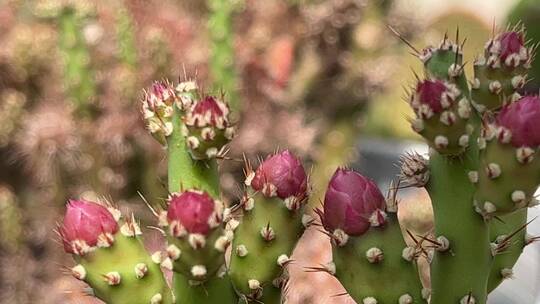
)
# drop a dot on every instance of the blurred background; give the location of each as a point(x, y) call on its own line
point(323, 78)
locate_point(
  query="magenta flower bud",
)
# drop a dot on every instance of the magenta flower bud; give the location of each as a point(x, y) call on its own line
point(510, 43)
point(157, 109)
point(281, 174)
point(352, 203)
point(430, 92)
point(209, 112)
point(193, 211)
point(522, 119)
point(86, 225)
point(160, 93)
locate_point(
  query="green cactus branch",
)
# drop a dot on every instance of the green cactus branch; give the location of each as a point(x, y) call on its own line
point(78, 76)
point(124, 259)
point(220, 27)
point(502, 265)
point(463, 269)
point(184, 172)
point(214, 291)
point(368, 278)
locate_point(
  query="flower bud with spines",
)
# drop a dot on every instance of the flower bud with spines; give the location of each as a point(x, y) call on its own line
point(208, 127)
point(501, 70)
point(510, 164)
point(195, 234)
point(443, 112)
point(158, 108)
point(271, 224)
point(351, 199)
point(116, 266)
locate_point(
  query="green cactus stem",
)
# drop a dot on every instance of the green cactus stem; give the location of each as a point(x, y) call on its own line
point(509, 228)
point(184, 172)
point(262, 245)
point(78, 76)
point(508, 178)
point(126, 38)
point(381, 257)
point(216, 290)
point(271, 223)
point(222, 52)
point(123, 273)
point(464, 268)
point(459, 274)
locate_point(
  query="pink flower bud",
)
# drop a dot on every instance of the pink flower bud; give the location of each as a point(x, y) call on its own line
point(194, 211)
point(430, 92)
point(208, 112)
point(510, 43)
point(522, 119)
point(85, 223)
point(160, 93)
point(352, 203)
point(281, 174)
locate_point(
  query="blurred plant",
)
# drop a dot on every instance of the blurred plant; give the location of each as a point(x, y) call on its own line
point(10, 222)
point(13, 103)
point(220, 27)
point(78, 75)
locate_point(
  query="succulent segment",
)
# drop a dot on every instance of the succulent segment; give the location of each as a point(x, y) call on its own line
point(157, 110)
point(208, 127)
point(508, 176)
point(501, 70)
point(269, 228)
point(364, 231)
point(196, 240)
point(508, 238)
point(442, 112)
point(110, 255)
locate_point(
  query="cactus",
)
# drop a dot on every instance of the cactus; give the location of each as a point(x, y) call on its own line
point(221, 63)
point(78, 77)
point(482, 168)
point(364, 230)
point(269, 228)
point(110, 255)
